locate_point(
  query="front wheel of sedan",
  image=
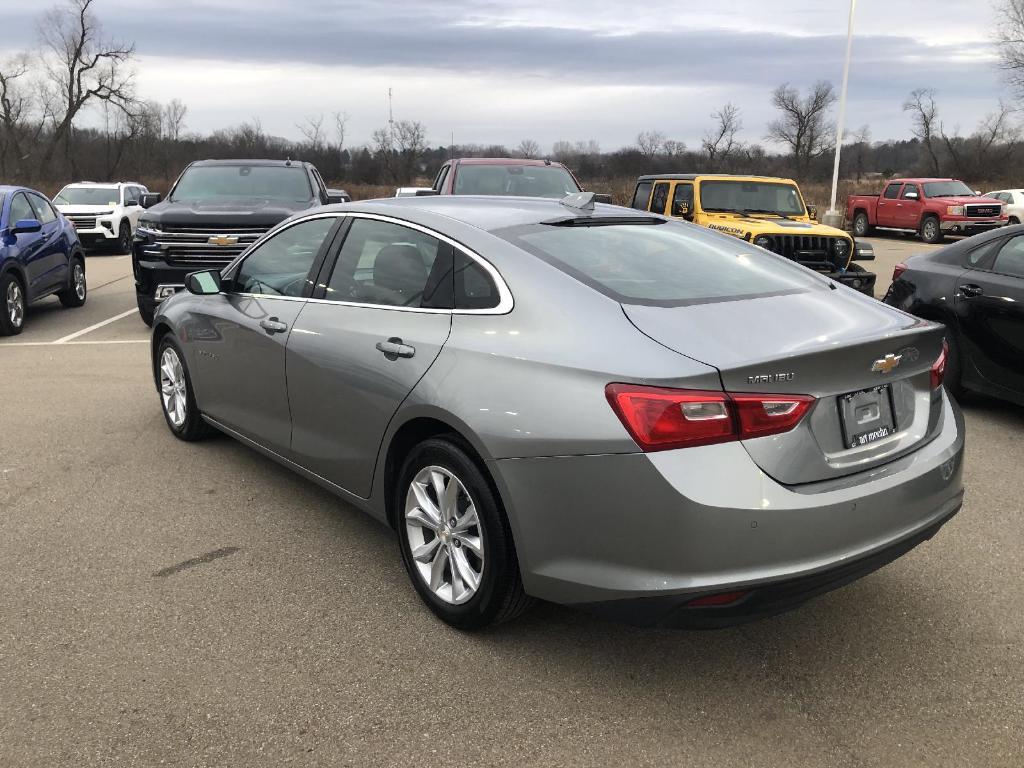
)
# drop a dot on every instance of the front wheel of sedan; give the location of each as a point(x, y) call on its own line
point(176, 396)
point(455, 539)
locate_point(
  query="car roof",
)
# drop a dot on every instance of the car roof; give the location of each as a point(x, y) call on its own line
point(243, 161)
point(921, 180)
point(488, 212)
point(693, 176)
point(503, 161)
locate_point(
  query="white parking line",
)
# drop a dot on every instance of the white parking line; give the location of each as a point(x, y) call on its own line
point(71, 343)
point(91, 328)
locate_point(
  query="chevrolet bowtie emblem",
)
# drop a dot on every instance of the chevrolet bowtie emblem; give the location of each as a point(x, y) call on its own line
point(887, 364)
point(223, 240)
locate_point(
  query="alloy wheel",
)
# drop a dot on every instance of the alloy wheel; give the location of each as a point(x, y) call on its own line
point(929, 229)
point(173, 388)
point(15, 304)
point(446, 538)
point(78, 279)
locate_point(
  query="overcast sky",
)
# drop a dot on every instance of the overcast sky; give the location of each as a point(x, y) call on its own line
point(499, 72)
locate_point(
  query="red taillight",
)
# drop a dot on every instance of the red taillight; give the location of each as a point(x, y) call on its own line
point(659, 419)
point(712, 601)
point(938, 371)
point(898, 270)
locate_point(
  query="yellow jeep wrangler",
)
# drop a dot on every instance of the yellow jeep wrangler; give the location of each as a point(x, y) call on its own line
point(768, 212)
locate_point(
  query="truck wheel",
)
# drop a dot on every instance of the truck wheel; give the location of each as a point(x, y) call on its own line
point(146, 314)
point(1013, 220)
point(861, 226)
point(931, 232)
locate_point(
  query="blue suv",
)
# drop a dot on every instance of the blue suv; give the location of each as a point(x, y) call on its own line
point(40, 255)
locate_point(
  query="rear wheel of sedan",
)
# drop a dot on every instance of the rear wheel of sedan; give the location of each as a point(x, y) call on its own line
point(12, 302)
point(176, 395)
point(455, 539)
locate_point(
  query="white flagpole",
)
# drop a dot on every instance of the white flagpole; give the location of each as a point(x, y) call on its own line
point(840, 124)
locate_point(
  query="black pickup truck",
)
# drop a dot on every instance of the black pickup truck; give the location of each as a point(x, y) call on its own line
point(215, 210)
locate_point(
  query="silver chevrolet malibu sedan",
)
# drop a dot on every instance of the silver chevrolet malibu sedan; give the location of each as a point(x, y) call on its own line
point(584, 404)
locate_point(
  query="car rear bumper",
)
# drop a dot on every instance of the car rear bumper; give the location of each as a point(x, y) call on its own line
point(639, 535)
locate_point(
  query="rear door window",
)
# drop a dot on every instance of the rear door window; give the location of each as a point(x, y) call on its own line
point(659, 197)
point(642, 195)
point(892, 191)
point(682, 199)
point(441, 176)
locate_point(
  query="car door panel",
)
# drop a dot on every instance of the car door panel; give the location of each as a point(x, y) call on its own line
point(990, 307)
point(344, 390)
point(30, 246)
point(886, 210)
point(908, 209)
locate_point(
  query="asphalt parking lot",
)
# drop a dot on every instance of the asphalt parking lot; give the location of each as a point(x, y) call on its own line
point(197, 605)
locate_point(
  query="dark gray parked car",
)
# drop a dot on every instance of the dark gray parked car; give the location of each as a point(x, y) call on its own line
point(594, 406)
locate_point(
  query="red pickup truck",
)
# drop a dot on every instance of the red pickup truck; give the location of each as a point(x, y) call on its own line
point(931, 207)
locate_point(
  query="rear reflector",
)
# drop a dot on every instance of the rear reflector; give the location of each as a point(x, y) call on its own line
point(660, 419)
point(938, 371)
point(898, 270)
point(712, 601)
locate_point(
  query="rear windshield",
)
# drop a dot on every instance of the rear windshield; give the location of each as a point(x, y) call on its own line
point(947, 189)
point(87, 196)
point(668, 264)
point(515, 180)
point(261, 182)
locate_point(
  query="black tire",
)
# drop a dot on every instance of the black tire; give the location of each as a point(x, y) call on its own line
point(192, 426)
point(13, 305)
point(1013, 220)
point(861, 225)
point(499, 596)
point(145, 313)
point(953, 380)
point(77, 292)
point(124, 238)
point(931, 232)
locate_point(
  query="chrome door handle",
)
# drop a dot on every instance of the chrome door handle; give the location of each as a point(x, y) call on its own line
point(273, 325)
point(394, 347)
point(970, 290)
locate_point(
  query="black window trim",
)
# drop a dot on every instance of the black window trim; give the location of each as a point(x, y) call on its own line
point(23, 193)
point(505, 300)
point(43, 201)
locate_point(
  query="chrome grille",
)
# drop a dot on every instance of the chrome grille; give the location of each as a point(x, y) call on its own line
point(205, 245)
point(83, 222)
point(982, 211)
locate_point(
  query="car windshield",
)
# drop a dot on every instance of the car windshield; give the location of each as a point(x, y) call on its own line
point(751, 196)
point(947, 189)
point(87, 196)
point(264, 182)
point(664, 264)
point(516, 180)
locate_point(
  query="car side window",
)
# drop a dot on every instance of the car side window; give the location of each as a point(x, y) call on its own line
point(474, 288)
point(981, 257)
point(391, 265)
point(910, 189)
point(280, 266)
point(892, 191)
point(20, 208)
point(682, 200)
point(1010, 259)
point(441, 176)
point(44, 212)
point(642, 195)
point(659, 197)
point(131, 195)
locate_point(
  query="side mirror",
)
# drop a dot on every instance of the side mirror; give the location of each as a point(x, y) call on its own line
point(812, 211)
point(206, 283)
point(910, 196)
point(26, 226)
point(338, 196)
point(149, 199)
point(601, 197)
point(978, 192)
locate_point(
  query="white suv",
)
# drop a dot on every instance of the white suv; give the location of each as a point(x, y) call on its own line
point(103, 214)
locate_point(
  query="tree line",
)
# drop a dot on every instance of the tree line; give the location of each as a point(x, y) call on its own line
point(76, 68)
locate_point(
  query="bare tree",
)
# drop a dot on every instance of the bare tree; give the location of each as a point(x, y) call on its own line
point(924, 115)
point(80, 67)
point(340, 130)
point(673, 148)
point(1009, 35)
point(528, 149)
point(650, 142)
point(720, 143)
point(400, 148)
point(173, 119)
point(13, 114)
point(803, 126)
point(861, 143)
point(312, 130)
